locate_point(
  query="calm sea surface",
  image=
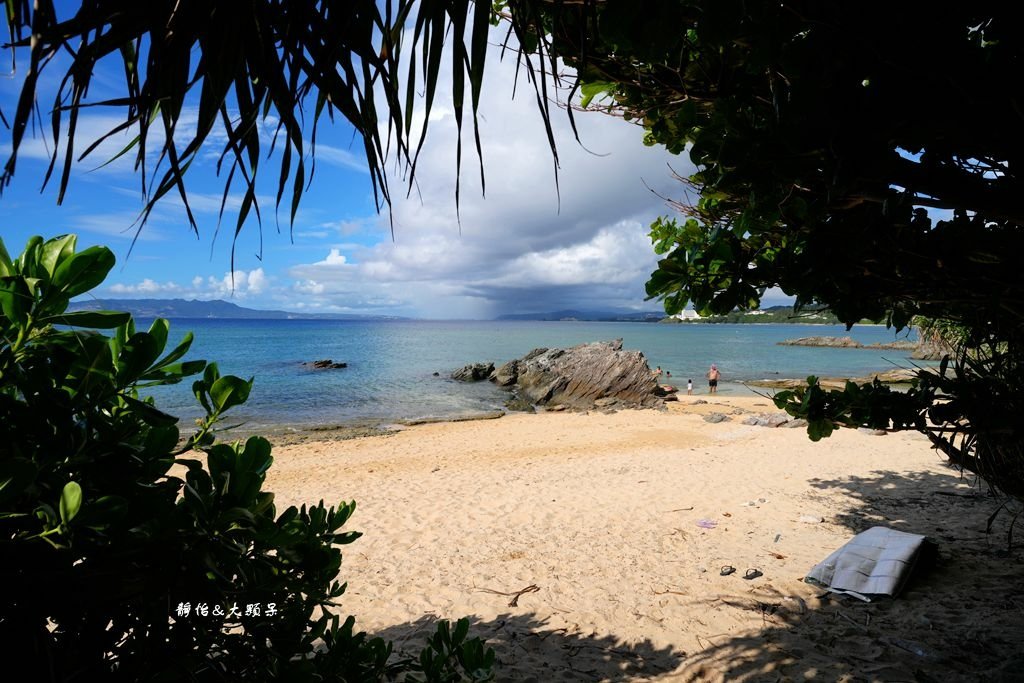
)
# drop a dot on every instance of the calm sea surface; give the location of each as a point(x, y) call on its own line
point(391, 364)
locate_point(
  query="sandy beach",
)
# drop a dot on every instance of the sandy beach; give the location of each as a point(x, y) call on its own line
point(593, 519)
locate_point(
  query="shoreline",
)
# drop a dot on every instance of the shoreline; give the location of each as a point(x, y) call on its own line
point(287, 433)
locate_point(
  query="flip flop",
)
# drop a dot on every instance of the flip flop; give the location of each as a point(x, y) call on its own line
point(727, 569)
point(752, 574)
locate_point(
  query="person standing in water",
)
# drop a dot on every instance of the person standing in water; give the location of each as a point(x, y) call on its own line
point(713, 377)
point(689, 387)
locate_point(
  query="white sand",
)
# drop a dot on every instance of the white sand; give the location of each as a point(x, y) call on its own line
point(600, 513)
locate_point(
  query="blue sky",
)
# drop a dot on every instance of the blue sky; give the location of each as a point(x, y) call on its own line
point(521, 249)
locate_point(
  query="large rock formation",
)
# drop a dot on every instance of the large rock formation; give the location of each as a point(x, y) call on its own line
point(474, 372)
point(600, 374)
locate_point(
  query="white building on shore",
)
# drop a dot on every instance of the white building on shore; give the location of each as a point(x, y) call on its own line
point(688, 314)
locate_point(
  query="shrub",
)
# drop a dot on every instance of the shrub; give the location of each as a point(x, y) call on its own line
point(120, 542)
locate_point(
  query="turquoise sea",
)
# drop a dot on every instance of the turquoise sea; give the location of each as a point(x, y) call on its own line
point(391, 364)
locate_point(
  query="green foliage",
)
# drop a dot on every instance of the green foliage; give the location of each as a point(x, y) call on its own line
point(107, 524)
point(942, 336)
point(872, 405)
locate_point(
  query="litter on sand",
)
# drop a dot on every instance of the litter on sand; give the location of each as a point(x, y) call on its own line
point(876, 562)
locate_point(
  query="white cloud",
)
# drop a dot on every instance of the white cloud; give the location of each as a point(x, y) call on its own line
point(238, 285)
point(334, 258)
point(257, 281)
point(147, 286)
point(613, 256)
point(309, 287)
point(523, 247)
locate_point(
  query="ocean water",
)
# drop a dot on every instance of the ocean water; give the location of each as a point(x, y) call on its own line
point(391, 364)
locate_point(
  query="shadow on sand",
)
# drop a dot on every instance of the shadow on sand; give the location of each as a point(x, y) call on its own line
point(528, 650)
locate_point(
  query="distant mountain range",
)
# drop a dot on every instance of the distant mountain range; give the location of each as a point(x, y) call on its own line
point(216, 308)
point(590, 316)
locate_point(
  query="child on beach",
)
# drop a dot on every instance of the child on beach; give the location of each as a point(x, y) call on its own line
point(689, 387)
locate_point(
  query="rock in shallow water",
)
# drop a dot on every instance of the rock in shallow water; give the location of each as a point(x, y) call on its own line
point(474, 372)
point(326, 364)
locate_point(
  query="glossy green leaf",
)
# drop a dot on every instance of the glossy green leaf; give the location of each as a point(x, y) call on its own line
point(149, 413)
point(158, 331)
point(83, 271)
point(229, 391)
point(15, 299)
point(6, 266)
point(137, 354)
point(70, 501)
point(56, 251)
point(180, 350)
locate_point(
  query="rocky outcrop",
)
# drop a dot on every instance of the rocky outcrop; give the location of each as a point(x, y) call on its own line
point(489, 415)
point(473, 372)
point(767, 420)
point(849, 343)
point(518, 404)
point(832, 342)
point(597, 375)
point(664, 390)
point(897, 376)
point(894, 346)
point(507, 374)
point(326, 364)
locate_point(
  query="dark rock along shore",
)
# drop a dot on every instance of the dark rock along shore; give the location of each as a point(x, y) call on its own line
point(848, 343)
point(596, 375)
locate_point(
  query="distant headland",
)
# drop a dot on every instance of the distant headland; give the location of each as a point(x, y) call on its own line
point(215, 308)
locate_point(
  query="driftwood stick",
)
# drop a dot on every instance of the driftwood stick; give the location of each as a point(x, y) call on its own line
point(514, 602)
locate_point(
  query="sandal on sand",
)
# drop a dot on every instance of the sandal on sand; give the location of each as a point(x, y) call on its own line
point(752, 574)
point(727, 569)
